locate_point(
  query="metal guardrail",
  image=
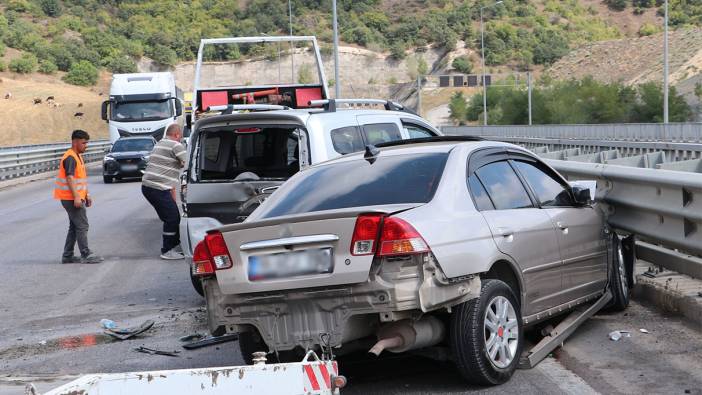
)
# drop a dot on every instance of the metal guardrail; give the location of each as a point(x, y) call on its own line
point(690, 132)
point(23, 161)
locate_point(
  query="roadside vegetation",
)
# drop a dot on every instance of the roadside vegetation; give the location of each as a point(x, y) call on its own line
point(571, 102)
point(114, 34)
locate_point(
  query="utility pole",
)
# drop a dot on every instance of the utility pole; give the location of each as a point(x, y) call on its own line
point(337, 83)
point(292, 43)
point(482, 58)
point(419, 95)
point(665, 67)
point(529, 93)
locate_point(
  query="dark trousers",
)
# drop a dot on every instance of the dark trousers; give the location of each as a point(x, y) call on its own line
point(77, 229)
point(167, 211)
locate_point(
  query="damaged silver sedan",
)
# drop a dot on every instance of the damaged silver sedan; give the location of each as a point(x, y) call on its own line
point(448, 244)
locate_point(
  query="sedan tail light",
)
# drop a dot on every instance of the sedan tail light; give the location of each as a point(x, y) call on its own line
point(386, 236)
point(211, 254)
point(398, 237)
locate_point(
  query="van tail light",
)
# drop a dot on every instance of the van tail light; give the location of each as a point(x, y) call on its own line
point(385, 236)
point(211, 254)
point(398, 237)
point(365, 234)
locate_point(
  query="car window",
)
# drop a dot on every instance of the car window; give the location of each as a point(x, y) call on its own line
point(211, 148)
point(548, 191)
point(347, 140)
point(359, 183)
point(480, 196)
point(503, 186)
point(133, 145)
point(377, 133)
point(416, 132)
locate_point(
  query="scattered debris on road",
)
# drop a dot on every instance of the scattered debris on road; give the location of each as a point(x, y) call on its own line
point(642, 330)
point(126, 333)
point(208, 341)
point(616, 335)
point(151, 351)
point(191, 337)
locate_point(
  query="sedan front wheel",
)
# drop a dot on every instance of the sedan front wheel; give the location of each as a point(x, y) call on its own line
point(486, 335)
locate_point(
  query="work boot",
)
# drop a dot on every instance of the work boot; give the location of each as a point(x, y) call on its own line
point(92, 258)
point(172, 255)
point(72, 259)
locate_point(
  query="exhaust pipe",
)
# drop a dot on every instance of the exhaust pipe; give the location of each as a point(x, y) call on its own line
point(407, 335)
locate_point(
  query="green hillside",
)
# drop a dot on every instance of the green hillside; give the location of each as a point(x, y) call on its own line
point(78, 36)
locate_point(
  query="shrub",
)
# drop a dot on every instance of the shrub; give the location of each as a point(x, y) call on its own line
point(458, 107)
point(47, 67)
point(462, 64)
point(82, 73)
point(50, 7)
point(3, 67)
point(122, 64)
point(397, 51)
point(648, 29)
point(304, 74)
point(24, 65)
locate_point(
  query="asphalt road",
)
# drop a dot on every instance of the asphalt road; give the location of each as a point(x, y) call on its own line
point(50, 313)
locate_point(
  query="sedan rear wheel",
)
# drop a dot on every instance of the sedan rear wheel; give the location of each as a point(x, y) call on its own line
point(486, 335)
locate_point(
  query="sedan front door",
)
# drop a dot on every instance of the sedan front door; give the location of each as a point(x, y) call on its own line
point(520, 230)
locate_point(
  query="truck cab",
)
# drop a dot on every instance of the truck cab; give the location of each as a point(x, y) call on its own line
point(142, 104)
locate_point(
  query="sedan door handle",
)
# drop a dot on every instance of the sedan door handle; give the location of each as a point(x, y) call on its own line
point(505, 232)
point(561, 225)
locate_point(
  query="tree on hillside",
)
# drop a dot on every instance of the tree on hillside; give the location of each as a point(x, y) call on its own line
point(50, 7)
point(616, 4)
point(462, 64)
point(457, 108)
point(82, 73)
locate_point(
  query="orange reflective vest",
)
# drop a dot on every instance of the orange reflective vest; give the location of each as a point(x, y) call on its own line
point(80, 179)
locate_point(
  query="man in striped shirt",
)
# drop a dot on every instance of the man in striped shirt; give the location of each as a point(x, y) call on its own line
point(158, 186)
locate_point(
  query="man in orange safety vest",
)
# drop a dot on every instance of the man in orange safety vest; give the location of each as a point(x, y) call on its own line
point(71, 188)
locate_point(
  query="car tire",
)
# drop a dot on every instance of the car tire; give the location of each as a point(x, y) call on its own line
point(107, 179)
point(618, 280)
point(478, 322)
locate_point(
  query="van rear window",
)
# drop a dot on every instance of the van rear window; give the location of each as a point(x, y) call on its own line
point(389, 180)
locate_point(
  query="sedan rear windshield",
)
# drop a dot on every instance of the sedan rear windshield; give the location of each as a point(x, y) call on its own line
point(389, 180)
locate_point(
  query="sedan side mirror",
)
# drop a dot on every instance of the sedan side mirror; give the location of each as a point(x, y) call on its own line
point(582, 195)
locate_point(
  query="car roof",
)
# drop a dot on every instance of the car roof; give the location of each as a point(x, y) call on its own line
point(136, 138)
point(441, 146)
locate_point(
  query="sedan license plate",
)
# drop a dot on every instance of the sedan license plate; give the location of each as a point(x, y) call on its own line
point(290, 264)
point(130, 167)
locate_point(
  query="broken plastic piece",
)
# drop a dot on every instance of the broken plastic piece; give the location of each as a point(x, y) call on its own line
point(124, 334)
point(191, 337)
point(642, 330)
point(107, 324)
point(152, 351)
point(616, 335)
point(208, 341)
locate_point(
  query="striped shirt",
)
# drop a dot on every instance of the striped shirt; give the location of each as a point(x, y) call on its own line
point(163, 170)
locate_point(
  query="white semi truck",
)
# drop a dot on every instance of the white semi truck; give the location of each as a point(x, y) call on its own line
point(142, 104)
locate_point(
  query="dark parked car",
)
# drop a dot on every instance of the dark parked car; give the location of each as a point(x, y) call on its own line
point(127, 158)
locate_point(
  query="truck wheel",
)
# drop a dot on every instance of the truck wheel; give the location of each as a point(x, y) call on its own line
point(197, 283)
point(618, 282)
point(486, 335)
point(107, 179)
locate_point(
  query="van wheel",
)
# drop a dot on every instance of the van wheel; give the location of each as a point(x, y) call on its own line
point(107, 179)
point(197, 283)
point(618, 282)
point(486, 335)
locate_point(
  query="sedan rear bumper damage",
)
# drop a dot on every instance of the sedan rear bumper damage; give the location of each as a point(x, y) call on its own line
point(397, 289)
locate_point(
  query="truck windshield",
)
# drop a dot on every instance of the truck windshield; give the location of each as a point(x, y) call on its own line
point(141, 111)
point(389, 180)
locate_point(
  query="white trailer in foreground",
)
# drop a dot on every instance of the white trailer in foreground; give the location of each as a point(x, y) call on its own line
point(312, 376)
